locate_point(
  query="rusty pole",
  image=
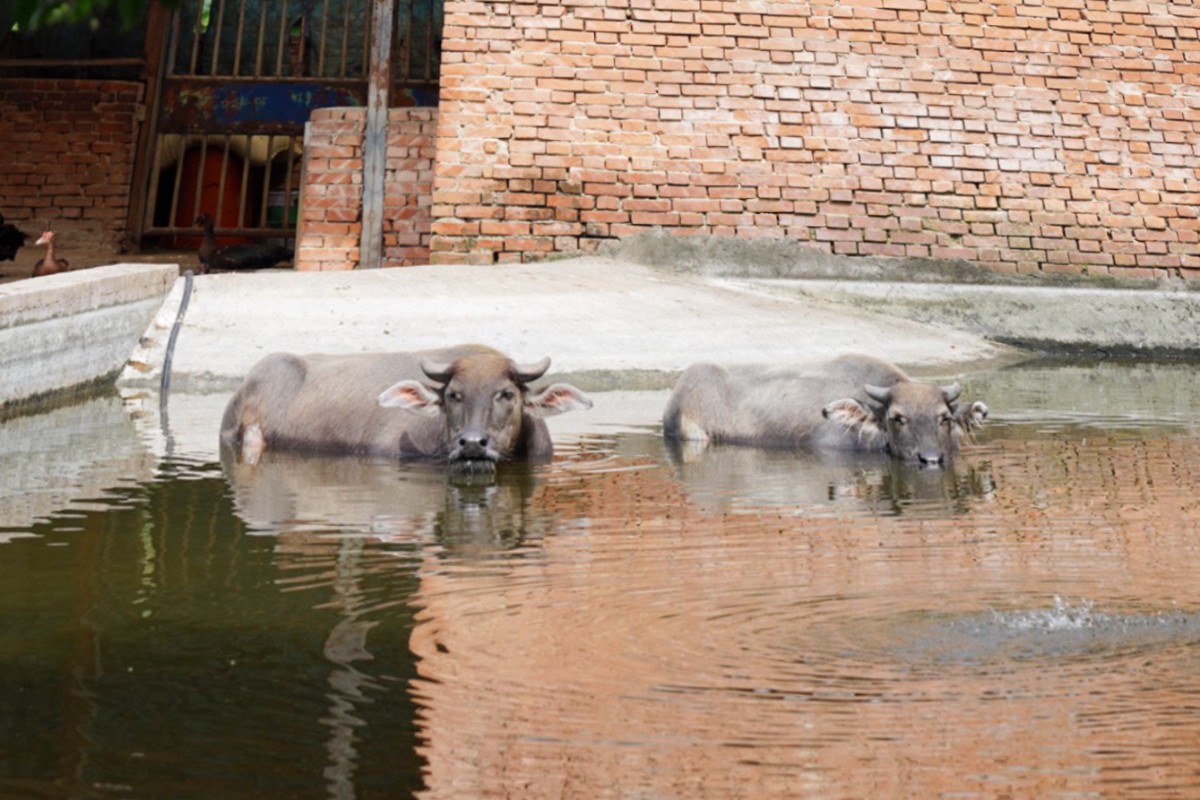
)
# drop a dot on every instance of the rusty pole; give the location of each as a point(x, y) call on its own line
point(158, 33)
point(375, 135)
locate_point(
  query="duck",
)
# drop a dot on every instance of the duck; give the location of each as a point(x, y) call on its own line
point(49, 264)
point(257, 255)
point(12, 239)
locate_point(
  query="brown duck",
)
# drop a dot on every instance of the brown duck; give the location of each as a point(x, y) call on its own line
point(49, 263)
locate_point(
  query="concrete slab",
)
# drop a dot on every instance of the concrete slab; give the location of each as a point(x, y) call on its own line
point(617, 329)
point(596, 315)
point(75, 328)
point(1048, 313)
point(1059, 319)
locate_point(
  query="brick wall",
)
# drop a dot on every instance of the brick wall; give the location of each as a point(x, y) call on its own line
point(1059, 135)
point(66, 155)
point(330, 226)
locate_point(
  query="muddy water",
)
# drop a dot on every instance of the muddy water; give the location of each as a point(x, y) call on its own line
point(629, 621)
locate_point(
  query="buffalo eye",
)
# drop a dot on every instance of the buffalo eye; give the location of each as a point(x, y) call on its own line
point(945, 419)
point(899, 419)
point(453, 396)
point(505, 395)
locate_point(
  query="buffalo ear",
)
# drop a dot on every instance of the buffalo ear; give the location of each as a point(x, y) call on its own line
point(853, 415)
point(524, 373)
point(971, 416)
point(411, 396)
point(558, 398)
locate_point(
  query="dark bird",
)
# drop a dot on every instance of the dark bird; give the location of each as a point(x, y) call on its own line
point(11, 240)
point(257, 255)
point(48, 264)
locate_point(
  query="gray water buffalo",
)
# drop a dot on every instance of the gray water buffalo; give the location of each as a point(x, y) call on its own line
point(469, 405)
point(853, 402)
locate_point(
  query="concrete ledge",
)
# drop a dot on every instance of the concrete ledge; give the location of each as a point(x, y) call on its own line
point(590, 315)
point(75, 329)
point(1052, 320)
point(1054, 314)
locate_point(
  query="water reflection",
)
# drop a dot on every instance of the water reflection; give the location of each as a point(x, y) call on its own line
point(287, 495)
point(153, 649)
point(1103, 395)
point(349, 687)
point(628, 621)
point(719, 478)
point(711, 636)
point(330, 520)
point(65, 456)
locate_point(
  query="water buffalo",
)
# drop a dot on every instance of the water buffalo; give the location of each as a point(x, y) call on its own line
point(852, 402)
point(470, 405)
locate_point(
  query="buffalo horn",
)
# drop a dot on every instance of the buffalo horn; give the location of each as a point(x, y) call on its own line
point(436, 371)
point(879, 394)
point(524, 373)
point(951, 392)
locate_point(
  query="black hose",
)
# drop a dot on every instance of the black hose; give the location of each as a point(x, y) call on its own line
point(165, 386)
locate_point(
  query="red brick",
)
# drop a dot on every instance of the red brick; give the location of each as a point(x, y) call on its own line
point(694, 118)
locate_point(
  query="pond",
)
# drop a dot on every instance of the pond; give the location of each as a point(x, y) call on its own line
point(631, 620)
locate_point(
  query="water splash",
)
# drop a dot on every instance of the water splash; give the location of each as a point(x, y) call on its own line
point(1062, 617)
point(1066, 631)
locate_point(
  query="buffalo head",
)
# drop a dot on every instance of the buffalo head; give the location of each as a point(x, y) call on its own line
point(489, 413)
point(913, 421)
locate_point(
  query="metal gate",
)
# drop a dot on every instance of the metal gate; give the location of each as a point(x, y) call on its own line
point(237, 82)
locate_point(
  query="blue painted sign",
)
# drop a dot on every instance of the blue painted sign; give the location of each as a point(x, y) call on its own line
point(225, 106)
point(220, 106)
